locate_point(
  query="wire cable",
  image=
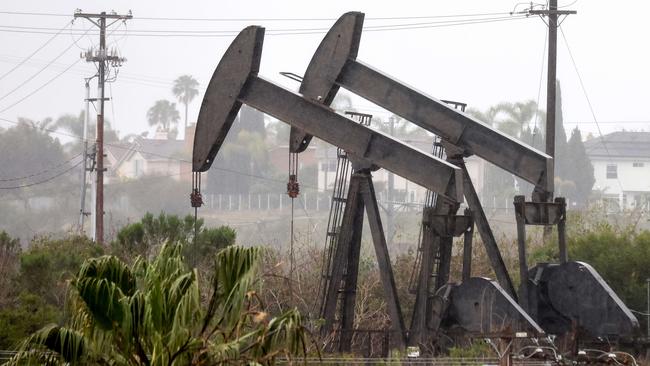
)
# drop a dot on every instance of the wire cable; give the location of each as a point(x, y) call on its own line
point(40, 172)
point(35, 52)
point(286, 32)
point(40, 70)
point(264, 19)
point(39, 88)
point(45, 180)
point(591, 108)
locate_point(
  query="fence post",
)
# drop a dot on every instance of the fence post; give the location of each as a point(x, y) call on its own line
point(239, 202)
point(259, 201)
point(211, 200)
point(229, 202)
point(268, 201)
point(281, 201)
point(304, 197)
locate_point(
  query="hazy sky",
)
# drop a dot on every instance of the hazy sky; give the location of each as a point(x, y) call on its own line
point(479, 64)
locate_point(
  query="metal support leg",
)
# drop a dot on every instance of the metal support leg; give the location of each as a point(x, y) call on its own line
point(444, 267)
point(487, 236)
point(561, 231)
point(467, 251)
point(351, 273)
point(521, 247)
point(383, 260)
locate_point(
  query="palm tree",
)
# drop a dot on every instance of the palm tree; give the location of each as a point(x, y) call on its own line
point(185, 90)
point(163, 113)
point(152, 314)
point(518, 115)
point(73, 125)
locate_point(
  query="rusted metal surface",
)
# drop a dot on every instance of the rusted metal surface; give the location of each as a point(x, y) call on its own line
point(235, 81)
point(456, 127)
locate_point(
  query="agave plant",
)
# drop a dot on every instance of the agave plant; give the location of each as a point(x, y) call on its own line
point(154, 314)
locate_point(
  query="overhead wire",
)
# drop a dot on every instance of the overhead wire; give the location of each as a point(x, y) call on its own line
point(591, 108)
point(40, 87)
point(276, 32)
point(40, 172)
point(35, 52)
point(49, 179)
point(264, 19)
point(30, 78)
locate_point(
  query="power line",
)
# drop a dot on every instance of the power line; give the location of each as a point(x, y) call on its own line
point(40, 172)
point(35, 52)
point(591, 109)
point(287, 32)
point(39, 88)
point(45, 180)
point(236, 31)
point(40, 70)
point(265, 19)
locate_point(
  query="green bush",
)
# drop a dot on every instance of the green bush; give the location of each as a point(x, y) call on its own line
point(477, 349)
point(49, 263)
point(145, 237)
point(27, 315)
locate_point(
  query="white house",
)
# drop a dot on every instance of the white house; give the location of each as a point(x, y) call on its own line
point(621, 163)
point(147, 157)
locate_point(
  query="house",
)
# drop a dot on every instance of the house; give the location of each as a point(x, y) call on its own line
point(160, 157)
point(621, 162)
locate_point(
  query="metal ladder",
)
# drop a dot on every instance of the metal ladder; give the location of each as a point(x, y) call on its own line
point(337, 207)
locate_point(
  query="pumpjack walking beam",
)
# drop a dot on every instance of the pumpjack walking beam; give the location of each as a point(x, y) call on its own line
point(235, 81)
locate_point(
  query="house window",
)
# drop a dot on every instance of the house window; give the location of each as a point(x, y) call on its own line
point(612, 171)
point(637, 165)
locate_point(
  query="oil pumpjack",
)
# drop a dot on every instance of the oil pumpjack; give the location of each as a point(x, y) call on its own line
point(555, 299)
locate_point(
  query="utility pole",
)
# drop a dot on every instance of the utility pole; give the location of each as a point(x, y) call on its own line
point(82, 211)
point(552, 13)
point(101, 58)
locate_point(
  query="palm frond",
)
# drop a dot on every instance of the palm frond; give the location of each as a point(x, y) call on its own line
point(52, 343)
point(112, 269)
point(104, 300)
